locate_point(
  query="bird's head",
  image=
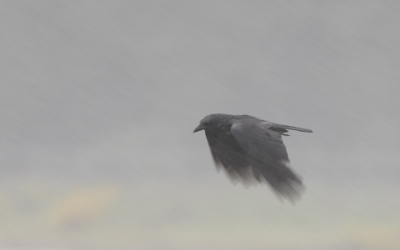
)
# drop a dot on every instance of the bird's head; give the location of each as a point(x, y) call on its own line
point(207, 122)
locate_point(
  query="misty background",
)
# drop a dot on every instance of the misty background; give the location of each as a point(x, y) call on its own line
point(99, 99)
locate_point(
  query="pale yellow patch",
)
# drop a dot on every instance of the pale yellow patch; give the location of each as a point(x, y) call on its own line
point(374, 236)
point(82, 206)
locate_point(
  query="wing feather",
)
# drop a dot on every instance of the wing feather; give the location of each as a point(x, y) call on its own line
point(227, 152)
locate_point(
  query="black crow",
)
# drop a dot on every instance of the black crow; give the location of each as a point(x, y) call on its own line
point(251, 149)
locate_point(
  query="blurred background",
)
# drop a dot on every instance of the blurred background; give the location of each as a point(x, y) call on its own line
point(99, 99)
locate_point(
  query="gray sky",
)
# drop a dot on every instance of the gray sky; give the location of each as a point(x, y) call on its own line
point(96, 91)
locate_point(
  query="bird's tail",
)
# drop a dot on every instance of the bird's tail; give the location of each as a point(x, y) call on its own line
point(296, 128)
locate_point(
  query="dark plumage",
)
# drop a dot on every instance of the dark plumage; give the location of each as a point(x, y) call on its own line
point(251, 149)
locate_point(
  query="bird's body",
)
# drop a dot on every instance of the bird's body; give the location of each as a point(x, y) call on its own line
point(251, 149)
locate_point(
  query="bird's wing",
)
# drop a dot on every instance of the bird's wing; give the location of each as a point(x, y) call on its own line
point(267, 156)
point(227, 152)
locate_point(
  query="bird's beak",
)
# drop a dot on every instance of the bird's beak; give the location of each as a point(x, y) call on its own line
point(198, 128)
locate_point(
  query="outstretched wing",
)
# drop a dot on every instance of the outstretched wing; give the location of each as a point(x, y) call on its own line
point(267, 156)
point(227, 152)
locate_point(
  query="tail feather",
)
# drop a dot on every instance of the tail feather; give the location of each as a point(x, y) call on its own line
point(296, 128)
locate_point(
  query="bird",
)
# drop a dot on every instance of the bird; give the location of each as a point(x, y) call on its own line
point(251, 150)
